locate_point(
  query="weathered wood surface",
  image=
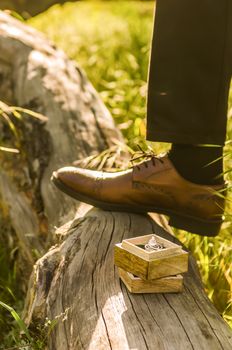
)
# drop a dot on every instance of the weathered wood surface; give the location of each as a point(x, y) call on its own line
point(157, 268)
point(37, 76)
point(134, 284)
point(77, 280)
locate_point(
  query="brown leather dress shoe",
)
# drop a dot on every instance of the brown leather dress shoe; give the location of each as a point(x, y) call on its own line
point(151, 186)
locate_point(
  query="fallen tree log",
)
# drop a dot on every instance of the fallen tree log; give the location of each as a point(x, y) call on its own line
point(75, 282)
point(37, 76)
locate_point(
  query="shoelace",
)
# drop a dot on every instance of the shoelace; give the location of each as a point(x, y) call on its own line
point(146, 155)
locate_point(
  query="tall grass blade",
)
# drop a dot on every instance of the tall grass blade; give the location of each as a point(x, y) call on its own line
point(19, 321)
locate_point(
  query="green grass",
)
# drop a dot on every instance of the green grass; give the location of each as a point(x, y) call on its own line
point(111, 41)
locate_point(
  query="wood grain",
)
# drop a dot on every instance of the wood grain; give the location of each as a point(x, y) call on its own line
point(78, 275)
point(157, 268)
point(42, 78)
point(135, 284)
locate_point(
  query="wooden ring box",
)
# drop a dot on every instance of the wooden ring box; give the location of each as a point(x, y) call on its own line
point(137, 264)
point(171, 284)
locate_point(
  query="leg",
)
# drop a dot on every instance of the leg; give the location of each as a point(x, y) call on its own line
point(187, 98)
point(189, 80)
point(190, 71)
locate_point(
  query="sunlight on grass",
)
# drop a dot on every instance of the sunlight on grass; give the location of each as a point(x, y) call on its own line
point(111, 42)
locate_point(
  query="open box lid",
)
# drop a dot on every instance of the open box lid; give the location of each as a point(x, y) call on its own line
point(133, 245)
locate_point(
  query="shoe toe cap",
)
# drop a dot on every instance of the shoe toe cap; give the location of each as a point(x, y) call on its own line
point(77, 179)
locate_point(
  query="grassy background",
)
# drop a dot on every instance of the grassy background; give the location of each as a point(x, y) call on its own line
point(111, 41)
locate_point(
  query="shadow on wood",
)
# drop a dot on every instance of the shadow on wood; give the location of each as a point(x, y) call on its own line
point(77, 282)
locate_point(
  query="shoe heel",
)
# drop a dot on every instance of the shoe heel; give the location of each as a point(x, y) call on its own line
point(192, 225)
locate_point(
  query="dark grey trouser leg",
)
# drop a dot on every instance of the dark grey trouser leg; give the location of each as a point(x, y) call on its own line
point(190, 71)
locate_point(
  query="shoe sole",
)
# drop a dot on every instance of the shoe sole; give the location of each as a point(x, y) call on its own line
point(180, 221)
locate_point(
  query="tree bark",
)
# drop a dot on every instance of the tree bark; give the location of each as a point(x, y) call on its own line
point(76, 282)
point(37, 76)
point(29, 8)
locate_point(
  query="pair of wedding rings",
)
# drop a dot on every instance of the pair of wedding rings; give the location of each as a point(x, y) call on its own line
point(153, 245)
